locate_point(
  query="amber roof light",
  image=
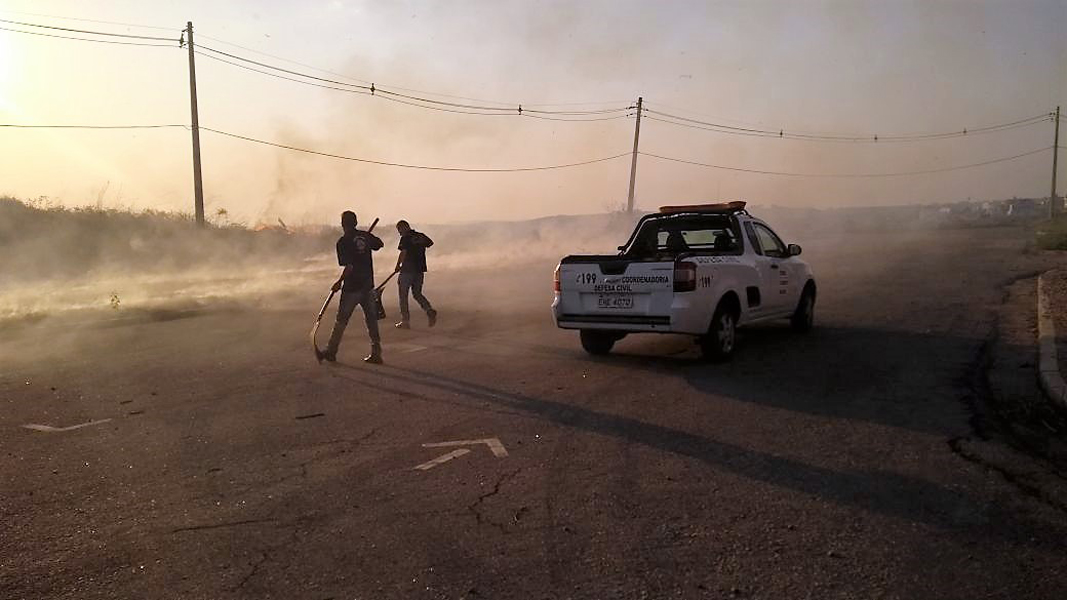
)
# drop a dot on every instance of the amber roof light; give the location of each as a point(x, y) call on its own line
point(721, 207)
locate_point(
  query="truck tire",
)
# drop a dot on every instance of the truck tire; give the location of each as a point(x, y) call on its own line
point(718, 345)
point(803, 318)
point(597, 342)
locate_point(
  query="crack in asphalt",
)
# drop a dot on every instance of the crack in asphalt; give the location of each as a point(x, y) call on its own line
point(223, 525)
point(1031, 490)
point(987, 420)
point(473, 508)
point(324, 456)
point(265, 556)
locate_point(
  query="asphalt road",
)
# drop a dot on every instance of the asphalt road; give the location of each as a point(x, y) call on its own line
point(860, 461)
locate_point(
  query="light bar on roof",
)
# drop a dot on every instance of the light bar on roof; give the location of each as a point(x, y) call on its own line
point(721, 207)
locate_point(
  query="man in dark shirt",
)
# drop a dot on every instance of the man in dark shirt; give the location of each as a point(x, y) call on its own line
point(357, 286)
point(411, 264)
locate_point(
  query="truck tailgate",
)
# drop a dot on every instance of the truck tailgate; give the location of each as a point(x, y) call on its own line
point(616, 291)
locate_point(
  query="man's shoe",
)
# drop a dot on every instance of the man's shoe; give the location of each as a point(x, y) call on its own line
point(374, 359)
point(403, 325)
point(432, 315)
point(321, 356)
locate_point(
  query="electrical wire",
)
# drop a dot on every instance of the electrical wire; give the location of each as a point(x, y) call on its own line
point(538, 168)
point(889, 140)
point(29, 14)
point(18, 126)
point(503, 105)
point(848, 175)
point(105, 33)
point(70, 37)
point(411, 166)
point(269, 74)
point(515, 108)
point(867, 138)
point(400, 100)
point(420, 100)
point(267, 66)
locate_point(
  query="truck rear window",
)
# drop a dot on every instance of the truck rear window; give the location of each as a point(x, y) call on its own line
point(676, 236)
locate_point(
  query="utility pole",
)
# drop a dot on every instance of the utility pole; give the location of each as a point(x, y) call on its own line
point(1055, 159)
point(633, 163)
point(198, 182)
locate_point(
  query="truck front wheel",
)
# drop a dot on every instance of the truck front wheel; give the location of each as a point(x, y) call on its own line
point(598, 342)
point(804, 317)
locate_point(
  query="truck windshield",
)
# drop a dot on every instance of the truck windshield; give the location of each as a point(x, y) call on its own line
point(674, 236)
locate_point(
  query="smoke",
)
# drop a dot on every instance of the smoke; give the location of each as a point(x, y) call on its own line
point(58, 261)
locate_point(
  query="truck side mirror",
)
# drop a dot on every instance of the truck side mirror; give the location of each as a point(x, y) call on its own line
point(794, 250)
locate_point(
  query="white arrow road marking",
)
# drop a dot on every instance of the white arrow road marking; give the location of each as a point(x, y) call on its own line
point(440, 460)
point(50, 429)
point(493, 443)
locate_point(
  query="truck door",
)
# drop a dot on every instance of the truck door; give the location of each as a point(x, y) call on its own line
point(775, 276)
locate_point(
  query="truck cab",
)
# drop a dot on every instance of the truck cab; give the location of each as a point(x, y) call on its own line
point(700, 270)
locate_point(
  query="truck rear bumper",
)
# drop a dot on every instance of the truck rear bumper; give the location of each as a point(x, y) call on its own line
point(675, 322)
point(614, 322)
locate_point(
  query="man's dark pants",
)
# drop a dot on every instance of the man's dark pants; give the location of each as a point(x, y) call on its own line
point(349, 300)
point(413, 282)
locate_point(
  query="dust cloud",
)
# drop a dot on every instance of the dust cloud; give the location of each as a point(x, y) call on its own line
point(95, 263)
point(113, 264)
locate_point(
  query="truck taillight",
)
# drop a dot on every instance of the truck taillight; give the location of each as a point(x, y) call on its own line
point(555, 280)
point(685, 277)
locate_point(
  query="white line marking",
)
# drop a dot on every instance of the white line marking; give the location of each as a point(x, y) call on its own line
point(50, 429)
point(493, 443)
point(440, 460)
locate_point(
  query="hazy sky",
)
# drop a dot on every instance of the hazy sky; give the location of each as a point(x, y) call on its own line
point(886, 67)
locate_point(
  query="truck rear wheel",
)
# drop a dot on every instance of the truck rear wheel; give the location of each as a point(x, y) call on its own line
point(718, 345)
point(598, 342)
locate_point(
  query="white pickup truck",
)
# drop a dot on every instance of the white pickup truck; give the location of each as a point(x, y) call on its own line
point(699, 270)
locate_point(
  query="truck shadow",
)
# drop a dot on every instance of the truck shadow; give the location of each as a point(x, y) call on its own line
point(895, 378)
point(876, 490)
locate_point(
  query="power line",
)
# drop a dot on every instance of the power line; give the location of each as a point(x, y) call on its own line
point(885, 140)
point(70, 37)
point(18, 126)
point(849, 175)
point(105, 33)
point(410, 166)
point(402, 99)
point(267, 66)
point(269, 74)
point(422, 101)
point(537, 168)
point(866, 138)
point(503, 105)
point(514, 108)
point(29, 14)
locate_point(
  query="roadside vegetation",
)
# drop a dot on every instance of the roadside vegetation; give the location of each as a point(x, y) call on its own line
point(1052, 235)
point(41, 240)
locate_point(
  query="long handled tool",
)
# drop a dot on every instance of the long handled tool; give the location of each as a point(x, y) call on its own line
point(322, 311)
point(378, 296)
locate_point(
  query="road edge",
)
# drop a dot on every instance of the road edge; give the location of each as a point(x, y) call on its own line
point(1048, 366)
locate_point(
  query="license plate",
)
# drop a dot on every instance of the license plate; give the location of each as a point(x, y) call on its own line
point(621, 301)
